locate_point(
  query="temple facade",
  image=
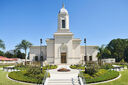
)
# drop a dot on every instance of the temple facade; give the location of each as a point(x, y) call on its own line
point(63, 48)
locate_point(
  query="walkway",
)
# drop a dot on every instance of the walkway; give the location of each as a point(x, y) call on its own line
point(63, 78)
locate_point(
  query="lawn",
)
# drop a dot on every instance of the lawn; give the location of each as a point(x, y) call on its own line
point(123, 80)
point(1, 66)
point(5, 81)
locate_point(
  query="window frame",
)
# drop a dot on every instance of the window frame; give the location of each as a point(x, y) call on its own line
point(63, 24)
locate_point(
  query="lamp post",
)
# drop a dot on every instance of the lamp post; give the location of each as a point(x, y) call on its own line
point(40, 56)
point(85, 50)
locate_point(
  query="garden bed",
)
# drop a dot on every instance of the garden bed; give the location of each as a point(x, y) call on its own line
point(19, 76)
point(31, 75)
point(100, 76)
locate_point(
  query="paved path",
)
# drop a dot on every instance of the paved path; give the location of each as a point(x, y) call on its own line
point(63, 78)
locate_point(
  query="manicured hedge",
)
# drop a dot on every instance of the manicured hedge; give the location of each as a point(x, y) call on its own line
point(108, 75)
point(50, 67)
point(22, 67)
point(77, 67)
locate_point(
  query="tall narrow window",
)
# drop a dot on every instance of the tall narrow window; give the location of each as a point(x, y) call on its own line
point(90, 58)
point(36, 58)
point(85, 58)
point(63, 23)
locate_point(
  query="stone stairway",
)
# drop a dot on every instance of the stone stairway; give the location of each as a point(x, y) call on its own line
point(63, 82)
point(63, 78)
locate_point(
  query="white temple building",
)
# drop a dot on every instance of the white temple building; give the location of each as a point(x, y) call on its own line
point(63, 48)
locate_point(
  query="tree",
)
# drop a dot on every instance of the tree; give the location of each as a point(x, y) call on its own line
point(19, 54)
point(106, 53)
point(24, 45)
point(117, 48)
point(100, 53)
point(8, 55)
point(2, 45)
point(126, 54)
point(1, 53)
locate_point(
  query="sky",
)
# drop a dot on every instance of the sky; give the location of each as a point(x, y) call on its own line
point(99, 21)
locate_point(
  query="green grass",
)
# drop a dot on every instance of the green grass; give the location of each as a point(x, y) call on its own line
point(20, 76)
point(101, 75)
point(5, 81)
point(123, 80)
point(1, 66)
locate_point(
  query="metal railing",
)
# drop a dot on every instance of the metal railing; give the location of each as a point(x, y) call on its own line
point(45, 77)
point(73, 82)
point(81, 75)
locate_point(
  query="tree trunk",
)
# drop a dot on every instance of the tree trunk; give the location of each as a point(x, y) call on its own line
point(25, 57)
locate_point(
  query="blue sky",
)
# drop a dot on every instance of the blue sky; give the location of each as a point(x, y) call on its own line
point(98, 20)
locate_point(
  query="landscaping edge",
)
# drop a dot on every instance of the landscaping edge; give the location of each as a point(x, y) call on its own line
point(19, 81)
point(106, 80)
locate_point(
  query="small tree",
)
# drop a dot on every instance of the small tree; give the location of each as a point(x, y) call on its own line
point(24, 45)
point(100, 53)
point(2, 45)
point(1, 53)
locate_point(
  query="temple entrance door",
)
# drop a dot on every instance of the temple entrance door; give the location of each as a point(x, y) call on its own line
point(63, 58)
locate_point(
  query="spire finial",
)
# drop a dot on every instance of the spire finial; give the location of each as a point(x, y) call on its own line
point(63, 5)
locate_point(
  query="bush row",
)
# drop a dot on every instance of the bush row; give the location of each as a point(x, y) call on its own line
point(77, 67)
point(23, 67)
point(104, 66)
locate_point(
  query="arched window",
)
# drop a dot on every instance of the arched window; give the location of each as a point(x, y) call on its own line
point(63, 23)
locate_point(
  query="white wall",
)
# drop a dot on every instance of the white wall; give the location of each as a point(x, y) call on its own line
point(91, 51)
point(59, 40)
point(35, 51)
point(50, 51)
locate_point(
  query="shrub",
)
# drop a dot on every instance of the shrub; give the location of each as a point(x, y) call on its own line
point(77, 67)
point(106, 66)
point(91, 70)
point(21, 67)
point(50, 67)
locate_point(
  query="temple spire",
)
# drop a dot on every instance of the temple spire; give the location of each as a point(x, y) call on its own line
point(63, 20)
point(63, 5)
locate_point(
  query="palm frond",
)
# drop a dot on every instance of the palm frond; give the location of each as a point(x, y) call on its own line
point(2, 45)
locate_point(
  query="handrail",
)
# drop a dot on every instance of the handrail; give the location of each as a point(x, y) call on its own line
point(45, 76)
point(73, 81)
point(82, 77)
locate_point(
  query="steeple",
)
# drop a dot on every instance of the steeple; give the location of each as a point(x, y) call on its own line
point(63, 5)
point(63, 20)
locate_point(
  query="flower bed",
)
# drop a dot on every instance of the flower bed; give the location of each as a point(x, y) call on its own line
point(63, 70)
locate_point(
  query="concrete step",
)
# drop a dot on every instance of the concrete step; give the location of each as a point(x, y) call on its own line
point(62, 82)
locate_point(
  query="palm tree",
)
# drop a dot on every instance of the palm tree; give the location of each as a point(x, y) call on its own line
point(100, 53)
point(2, 45)
point(24, 45)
